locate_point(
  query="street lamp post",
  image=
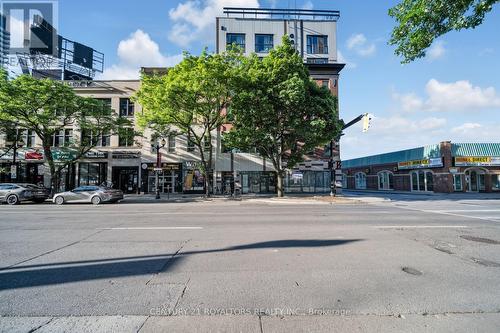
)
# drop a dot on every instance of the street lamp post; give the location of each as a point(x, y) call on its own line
point(158, 169)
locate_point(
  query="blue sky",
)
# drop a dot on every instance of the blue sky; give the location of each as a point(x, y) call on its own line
point(453, 94)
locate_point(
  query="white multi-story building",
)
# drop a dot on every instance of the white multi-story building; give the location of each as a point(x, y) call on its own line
point(314, 34)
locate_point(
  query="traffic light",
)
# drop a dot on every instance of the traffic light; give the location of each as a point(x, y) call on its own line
point(366, 122)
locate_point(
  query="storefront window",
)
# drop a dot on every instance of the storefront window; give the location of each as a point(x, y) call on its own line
point(360, 179)
point(92, 174)
point(495, 182)
point(457, 183)
point(194, 180)
point(385, 180)
point(422, 181)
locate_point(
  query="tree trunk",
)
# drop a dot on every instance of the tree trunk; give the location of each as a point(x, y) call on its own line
point(279, 185)
point(52, 168)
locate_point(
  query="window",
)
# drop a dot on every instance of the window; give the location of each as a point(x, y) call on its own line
point(422, 181)
point(26, 138)
point(126, 107)
point(235, 39)
point(99, 140)
point(385, 180)
point(344, 180)
point(457, 183)
point(263, 43)
point(207, 143)
point(63, 138)
point(317, 44)
point(360, 181)
point(126, 137)
point(325, 83)
point(106, 103)
point(317, 60)
point(92, 173)
point(171, 143)
point(495, 182)
point(190, 144)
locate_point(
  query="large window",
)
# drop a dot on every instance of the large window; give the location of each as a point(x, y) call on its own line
point(457, 183)
point(127, 107)
point(190, 144)
point(317, 44)
point(63, 138)
point(92, 173)
point(385, 180)
point(360, 181)
point(236, 39)
point(23, 137)
point(495, 182)
point(422, 181)
point(97, 140)
point(126, 137)
point(171, 143)
point(264, 43)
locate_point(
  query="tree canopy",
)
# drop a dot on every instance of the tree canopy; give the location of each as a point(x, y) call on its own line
point(420, 22)
point(278, 110)
point(47, 107)
point(190, 100)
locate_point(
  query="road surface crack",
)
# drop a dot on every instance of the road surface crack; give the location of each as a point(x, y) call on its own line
point(44, 324)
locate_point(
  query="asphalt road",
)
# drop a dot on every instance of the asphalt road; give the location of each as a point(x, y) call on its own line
point(253, 266)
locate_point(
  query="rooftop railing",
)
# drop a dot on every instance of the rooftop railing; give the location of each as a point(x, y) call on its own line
point(287, 14)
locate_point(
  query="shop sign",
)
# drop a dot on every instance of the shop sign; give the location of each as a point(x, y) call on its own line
point(33, 156)
point(164, 167)
point(63, 155)
point(192, 165)
point(453, 170)
point(421, 164)
point(477, 161)
point(8, 156)
point(96, 154)
point(125, 155)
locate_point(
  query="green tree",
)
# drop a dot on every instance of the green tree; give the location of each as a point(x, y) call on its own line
point(190, 100)
point(47, 107)
point(420, 22)
point(279, 111)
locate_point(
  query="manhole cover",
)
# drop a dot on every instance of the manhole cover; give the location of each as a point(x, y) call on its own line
point(486, 263)
point(480, 239)
point(411, 271)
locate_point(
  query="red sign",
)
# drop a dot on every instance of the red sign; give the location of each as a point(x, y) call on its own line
point(33, 155)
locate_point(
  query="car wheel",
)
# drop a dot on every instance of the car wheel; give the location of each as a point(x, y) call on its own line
point(96, 200)
point(12, 199)
point(59, 200)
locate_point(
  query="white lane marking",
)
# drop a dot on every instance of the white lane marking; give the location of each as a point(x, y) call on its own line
point(446, 213)
point(465, 210)
point(419, 226)
point(152, 228)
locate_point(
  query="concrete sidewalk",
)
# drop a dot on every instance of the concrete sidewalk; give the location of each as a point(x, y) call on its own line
point(469, 322)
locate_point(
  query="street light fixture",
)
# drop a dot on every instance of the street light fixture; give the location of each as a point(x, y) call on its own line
point(158, 169)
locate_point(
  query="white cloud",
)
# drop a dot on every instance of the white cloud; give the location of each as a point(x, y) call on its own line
point(454, 96)
point(408, 102)
point(195, 19)
point(436, 51)
point(137, 51)
point(360, 44)
point(465, 128)
point(341, 59)
point(459, 95)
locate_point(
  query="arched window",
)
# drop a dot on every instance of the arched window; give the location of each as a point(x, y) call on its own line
point(422, 181)
point(344, 180)
point(385, 180)
point(360, 181)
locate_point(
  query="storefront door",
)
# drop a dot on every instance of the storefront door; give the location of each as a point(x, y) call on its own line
point(126, 179)
point(475, 181)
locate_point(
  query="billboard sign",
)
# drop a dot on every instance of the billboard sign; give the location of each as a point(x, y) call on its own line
point(477, 161)
point(421, 164)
